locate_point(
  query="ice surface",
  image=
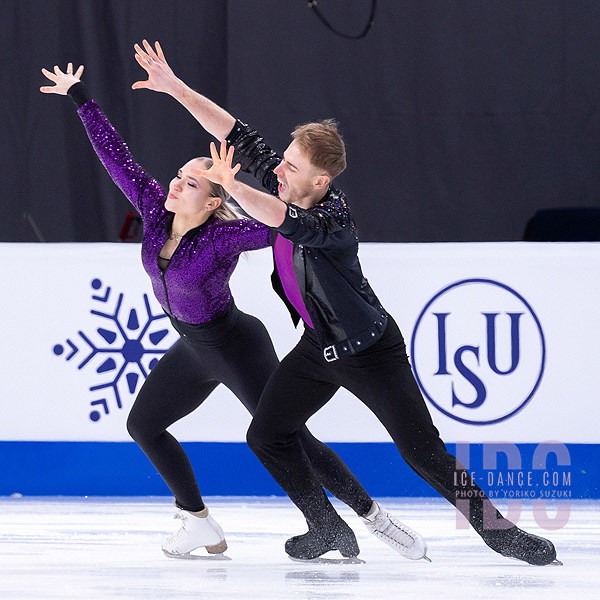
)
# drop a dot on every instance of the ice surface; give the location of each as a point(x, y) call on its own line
point(109, 548)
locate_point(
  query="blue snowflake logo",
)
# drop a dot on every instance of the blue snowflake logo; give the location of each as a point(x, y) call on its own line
point(127, 345)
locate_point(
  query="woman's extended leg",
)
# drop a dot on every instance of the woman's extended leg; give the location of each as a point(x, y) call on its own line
point(173, 389)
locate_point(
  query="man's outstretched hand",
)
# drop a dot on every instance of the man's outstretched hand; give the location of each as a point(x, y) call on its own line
point(221, 171)
point(160, 75)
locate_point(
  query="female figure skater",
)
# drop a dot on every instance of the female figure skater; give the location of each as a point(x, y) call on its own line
point(191, 244)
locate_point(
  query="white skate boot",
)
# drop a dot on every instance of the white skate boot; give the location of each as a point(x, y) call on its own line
point(198, 529)
point(395, 534)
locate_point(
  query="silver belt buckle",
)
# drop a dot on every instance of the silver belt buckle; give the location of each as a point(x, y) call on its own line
point(330, 353)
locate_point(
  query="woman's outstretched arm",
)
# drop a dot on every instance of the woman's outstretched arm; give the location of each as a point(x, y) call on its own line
point(141, 190)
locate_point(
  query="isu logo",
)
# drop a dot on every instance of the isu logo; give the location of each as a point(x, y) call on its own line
point(478, 351)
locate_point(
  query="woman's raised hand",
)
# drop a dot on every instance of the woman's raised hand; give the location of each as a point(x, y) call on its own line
point(221, 171)
point(62, 81)
point(160, 75)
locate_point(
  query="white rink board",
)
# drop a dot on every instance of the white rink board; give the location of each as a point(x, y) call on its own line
point(546, 375)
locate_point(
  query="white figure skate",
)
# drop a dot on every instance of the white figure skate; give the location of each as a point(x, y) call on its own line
point(395, 534)
point(198, 529)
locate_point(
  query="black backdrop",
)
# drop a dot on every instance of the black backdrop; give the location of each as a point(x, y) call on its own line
point(461, 117)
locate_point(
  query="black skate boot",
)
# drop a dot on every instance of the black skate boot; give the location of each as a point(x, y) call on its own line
point(516, 543)
point(321, 539)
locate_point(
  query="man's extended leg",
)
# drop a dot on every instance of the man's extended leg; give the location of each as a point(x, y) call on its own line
point(288, 401)
point(382, 378)
point(297, 390)
point(246, 368)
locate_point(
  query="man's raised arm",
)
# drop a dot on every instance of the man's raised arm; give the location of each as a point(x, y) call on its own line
point(263, 207)
point(216, 120)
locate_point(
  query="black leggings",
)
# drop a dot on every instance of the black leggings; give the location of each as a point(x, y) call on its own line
point(236, 350)
point(381, 377)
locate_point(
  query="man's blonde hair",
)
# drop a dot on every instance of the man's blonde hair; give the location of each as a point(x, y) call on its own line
point(323, 145)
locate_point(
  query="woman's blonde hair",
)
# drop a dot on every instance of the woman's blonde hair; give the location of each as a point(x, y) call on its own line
point(225, 211)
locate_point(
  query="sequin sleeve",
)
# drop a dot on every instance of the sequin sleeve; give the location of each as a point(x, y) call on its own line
point(140, 189)
point(328, 224)
point(255, 156)
point(232, 238)
point(314, 227)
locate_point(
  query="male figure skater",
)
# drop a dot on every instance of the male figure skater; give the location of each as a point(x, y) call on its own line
point(349, 339)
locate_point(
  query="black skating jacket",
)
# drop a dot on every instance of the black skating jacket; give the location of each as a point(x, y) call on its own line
point(346, 314)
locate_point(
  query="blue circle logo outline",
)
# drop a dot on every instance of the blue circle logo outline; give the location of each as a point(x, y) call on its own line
point(537, 322)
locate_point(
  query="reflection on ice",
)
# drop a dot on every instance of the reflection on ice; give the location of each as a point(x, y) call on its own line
point(107, 548)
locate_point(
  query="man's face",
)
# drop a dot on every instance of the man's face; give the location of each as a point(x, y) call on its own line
point(298, 178)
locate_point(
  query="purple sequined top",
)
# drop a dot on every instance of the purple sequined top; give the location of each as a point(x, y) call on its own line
point(194, 288)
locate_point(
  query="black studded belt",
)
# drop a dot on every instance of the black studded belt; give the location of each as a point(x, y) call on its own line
point(356, 344)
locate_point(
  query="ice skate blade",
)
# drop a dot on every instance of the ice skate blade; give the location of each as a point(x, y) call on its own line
point(189, 556)
point(353, 560)
point(555, 562)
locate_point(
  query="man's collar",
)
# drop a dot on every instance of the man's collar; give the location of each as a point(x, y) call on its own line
point(326, 197)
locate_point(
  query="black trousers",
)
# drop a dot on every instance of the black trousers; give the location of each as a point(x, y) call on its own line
point(382, 378)
point(236, 350)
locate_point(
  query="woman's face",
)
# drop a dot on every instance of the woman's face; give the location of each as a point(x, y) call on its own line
point(189, 194)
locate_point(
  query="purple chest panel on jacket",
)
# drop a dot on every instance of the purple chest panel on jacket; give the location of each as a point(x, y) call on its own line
point(283, 250)
point(195, 286)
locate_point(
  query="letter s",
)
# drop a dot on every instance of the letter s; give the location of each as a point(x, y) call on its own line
point(470, 377)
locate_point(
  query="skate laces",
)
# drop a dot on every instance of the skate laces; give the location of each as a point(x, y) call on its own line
point(397, 535)
point(183, 529)
point(387, 526)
